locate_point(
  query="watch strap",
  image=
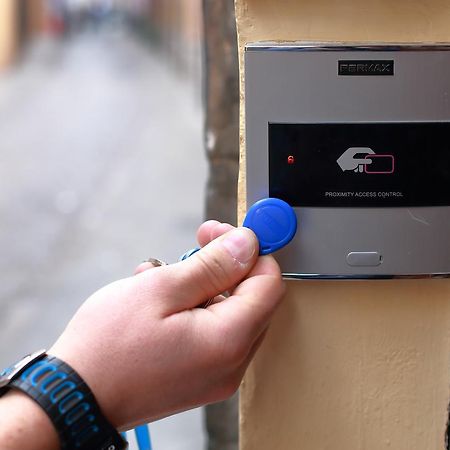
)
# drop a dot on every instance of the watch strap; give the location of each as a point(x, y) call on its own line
point(69, 403)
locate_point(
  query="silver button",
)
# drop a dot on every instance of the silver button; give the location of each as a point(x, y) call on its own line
point(365, 259)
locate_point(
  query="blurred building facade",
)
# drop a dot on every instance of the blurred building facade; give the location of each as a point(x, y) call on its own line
point(7, 44)
point(178, 25)
point(18, 20)
point(175, 26)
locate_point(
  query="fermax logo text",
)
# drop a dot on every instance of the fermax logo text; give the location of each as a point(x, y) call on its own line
point(366, 67)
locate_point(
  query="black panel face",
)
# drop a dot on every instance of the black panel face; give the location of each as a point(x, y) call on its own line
point(360, 164)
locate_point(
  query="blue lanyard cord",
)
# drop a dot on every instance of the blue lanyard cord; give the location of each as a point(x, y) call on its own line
point(142, 437)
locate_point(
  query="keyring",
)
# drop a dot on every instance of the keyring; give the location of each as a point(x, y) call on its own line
point(156, 262)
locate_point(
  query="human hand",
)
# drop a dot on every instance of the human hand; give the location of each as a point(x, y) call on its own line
point(147, 351)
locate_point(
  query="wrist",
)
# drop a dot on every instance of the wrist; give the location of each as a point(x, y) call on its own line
point(91, 373)
point(58, 390)
point(24, 425)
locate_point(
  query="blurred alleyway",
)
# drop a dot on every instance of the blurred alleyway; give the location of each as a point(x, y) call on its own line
point(101, 166)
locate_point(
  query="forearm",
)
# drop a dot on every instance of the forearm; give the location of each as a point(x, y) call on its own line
point(24, 424)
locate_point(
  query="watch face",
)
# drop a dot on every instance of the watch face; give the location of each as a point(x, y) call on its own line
point(10, 372)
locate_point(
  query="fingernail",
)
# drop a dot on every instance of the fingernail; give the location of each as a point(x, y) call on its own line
point(239, 245)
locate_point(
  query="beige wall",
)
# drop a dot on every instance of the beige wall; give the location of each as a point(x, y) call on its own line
point(349, 365)
point(7, 31)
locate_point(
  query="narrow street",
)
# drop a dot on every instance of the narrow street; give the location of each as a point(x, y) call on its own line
point(101, 166)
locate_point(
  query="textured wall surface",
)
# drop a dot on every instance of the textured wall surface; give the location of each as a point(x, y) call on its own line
point(221, 103)
point(349, 365)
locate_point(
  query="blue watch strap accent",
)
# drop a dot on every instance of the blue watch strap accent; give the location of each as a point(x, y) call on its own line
point(70, 404)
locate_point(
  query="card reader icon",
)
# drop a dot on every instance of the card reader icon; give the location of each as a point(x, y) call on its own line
point(381, 164)
point(365, 160)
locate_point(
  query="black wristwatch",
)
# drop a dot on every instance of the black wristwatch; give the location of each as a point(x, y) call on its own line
point(66, 399)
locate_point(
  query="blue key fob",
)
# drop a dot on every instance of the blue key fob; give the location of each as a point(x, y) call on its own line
point(273, 221)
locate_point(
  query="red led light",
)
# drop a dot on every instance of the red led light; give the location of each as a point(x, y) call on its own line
point(290, 159)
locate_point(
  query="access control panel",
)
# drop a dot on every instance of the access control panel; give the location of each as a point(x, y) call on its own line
point(357, 140)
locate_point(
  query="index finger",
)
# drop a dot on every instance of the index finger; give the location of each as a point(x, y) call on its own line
point(211, 230)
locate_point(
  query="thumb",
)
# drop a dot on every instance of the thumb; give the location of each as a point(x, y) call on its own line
point(215, 268)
